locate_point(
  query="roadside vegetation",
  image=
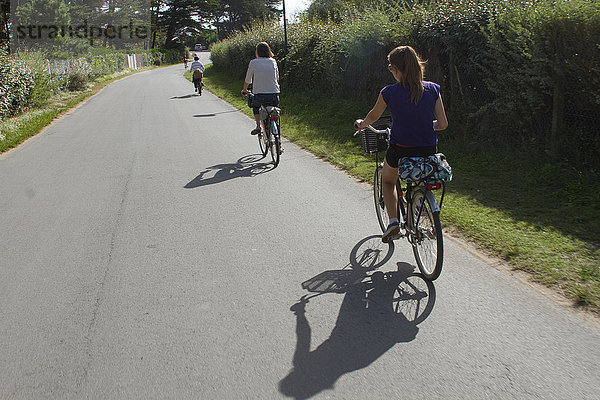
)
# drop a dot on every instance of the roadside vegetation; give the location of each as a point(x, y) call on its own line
point(36, 90)
point(523, 141)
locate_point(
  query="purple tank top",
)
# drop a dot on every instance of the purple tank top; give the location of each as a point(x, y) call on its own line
point(412, 124)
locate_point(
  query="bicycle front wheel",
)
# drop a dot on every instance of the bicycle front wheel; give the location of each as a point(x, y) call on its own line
point(427, 241)
point(274, 144)
point(380, 208)
point(382, 215)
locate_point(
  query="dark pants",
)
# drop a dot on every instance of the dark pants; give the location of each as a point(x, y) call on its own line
point(265, 99)
point(395, 153)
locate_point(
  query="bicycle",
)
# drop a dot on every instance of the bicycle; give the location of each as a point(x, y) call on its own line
point(197, 81)
point(269, 138)
point(417, 206)
point(198, 85)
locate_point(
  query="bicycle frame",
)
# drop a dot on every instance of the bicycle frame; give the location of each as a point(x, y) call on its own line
point(267, 114)
point(405, 189)
point(416, 205)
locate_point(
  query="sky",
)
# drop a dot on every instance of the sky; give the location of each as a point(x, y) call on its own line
point(295, 6)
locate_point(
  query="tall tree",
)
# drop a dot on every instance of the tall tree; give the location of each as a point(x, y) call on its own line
point(179, 19)
point(4, 20)
point(238, 14)
point(33, 15)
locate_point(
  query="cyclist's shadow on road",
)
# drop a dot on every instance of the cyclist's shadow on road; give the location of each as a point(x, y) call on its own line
point(377, 312)
point(186, 96)
point(247, 166)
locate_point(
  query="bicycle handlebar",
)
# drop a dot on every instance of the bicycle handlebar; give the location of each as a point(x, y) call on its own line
point(382, 131)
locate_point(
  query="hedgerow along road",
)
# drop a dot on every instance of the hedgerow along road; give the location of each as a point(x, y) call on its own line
point(148, 251)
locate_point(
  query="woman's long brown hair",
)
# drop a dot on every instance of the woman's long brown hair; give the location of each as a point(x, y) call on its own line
point(412, 70)
point(263, 50)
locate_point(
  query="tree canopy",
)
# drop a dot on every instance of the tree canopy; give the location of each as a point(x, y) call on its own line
point(181, 19)
point(173, 21)
point(4, 19)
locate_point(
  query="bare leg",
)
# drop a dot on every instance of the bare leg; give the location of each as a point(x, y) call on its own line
point(388, 183)
point(257, 118)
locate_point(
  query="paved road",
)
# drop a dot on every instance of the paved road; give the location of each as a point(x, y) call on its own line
point(148, 252)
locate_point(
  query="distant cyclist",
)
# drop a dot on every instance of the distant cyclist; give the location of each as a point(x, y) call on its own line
point(197, 70)
point(185, 62)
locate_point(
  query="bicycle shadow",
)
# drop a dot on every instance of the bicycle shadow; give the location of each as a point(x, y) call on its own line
point(187, 96)
point(245, 167)
point(371, 253)
point(377, 312)
point(213, 114)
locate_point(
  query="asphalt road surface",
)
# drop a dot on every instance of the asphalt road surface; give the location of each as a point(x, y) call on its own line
point(148, 252)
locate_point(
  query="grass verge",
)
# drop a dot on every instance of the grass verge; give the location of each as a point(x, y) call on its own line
point(17, 129)
point(537, 216)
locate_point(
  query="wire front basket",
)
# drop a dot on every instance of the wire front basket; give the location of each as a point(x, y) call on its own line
point(373, 142)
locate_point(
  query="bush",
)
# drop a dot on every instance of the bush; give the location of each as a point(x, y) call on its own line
point(32, 79)
point(154, 56)
point(322, 56)
point(77, 81)
point(302, 69)
point(170, 56)
point(353, 56)
point(544, 69)
point(511, 72)
point(16, 85)
point(450, 36)
point(234, 54)
point(45, 86)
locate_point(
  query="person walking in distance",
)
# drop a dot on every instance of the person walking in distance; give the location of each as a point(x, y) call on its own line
point(417, 113)
point(197, 69)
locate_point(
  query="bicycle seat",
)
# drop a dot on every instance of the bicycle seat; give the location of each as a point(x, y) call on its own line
point(270, 111)
point(273, 110)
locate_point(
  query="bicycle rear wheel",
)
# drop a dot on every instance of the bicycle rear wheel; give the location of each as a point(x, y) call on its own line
point(427, 240)
point(274, 144)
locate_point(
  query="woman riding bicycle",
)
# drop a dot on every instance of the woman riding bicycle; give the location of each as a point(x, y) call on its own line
point(264, 76)
point(417, 113)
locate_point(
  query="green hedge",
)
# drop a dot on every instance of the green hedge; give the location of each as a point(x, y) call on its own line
point(168, 56)
point(16, 85)
point(519, 74)
point(321, 56)
point(30, 79)
point(544, 69)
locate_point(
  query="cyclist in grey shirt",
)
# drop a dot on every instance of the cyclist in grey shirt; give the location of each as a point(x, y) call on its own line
point(264, 76)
